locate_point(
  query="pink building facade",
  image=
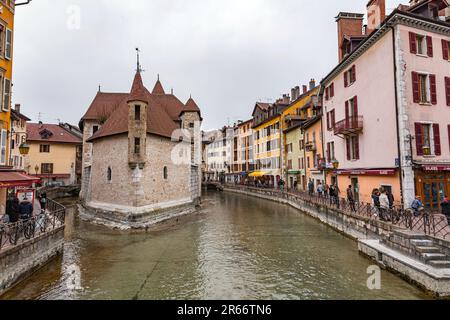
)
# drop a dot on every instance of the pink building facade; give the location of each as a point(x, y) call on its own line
point(387, 105)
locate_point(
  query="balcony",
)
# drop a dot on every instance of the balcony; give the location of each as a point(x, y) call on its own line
point(311, 146)
point(349, 126)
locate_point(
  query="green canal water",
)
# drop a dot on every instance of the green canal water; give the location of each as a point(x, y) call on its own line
point(237, 247)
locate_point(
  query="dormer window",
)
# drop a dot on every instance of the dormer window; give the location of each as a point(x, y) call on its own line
point(45, 134)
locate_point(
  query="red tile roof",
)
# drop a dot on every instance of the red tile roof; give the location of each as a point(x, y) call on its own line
point(163, 112)
point(56, 134)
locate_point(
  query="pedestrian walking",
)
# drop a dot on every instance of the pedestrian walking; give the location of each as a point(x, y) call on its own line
point(311, 187)
point(326, 189)
point(384, 205)
point(391, 199)
point(351, 198)
point(336, 193)
point(445, 206)
point(320, 189)
point(26, 209)
point(331, 194)
point(43, 201)
point(376, 201)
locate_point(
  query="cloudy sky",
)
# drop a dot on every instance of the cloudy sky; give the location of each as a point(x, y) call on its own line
point(226, 53)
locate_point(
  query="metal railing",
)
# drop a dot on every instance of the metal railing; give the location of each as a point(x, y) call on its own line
point(349, 125)
point(13, 234)
point(427, 222)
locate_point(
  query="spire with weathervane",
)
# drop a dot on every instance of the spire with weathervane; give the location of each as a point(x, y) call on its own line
point(137, 120)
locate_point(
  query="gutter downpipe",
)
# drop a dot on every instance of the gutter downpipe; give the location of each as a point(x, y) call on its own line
point(397, 116)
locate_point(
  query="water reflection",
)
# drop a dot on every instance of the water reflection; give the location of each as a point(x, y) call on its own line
point(237, 248)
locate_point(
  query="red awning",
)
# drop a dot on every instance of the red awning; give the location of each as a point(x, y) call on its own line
point(378, 172)
point(16, 179)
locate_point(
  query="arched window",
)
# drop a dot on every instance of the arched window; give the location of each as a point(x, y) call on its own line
point(109, 175)
point(165, 173)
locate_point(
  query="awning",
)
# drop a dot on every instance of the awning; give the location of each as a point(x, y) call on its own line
point(10, 179)
point(258, 174)
point(368, 172)
point(435, 168)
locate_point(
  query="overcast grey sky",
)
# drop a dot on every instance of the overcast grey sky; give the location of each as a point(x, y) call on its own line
point(226, 53)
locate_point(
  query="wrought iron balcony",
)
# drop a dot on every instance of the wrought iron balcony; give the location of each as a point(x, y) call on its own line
point(311, 146)
point(349, 125)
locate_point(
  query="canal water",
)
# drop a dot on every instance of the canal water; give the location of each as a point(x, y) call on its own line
point(237, 247)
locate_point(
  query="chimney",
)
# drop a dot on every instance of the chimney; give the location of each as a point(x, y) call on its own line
point(376, 14)
point(286, 99)
point(348, 24)
point(305, 89)
point(293, 95)
point(17, 108)
point(312, 84)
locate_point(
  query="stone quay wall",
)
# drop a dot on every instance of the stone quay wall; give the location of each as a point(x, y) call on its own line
point(353, 226)
point(20, 261)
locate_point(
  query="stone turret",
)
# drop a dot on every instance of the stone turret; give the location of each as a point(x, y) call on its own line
point(137, 124)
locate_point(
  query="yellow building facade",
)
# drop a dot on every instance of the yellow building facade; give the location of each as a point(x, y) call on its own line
point(55, 154)
point(293, 155)
point(6, 72)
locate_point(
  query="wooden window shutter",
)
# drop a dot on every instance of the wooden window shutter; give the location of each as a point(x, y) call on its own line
point(333, 119)
point(433, 89)
point(355, 105)
point(412, 42)
point(356, 147)
point(415, 86)
point(354, 73)
point(328, 152)
point(437, 139)
point(429, 46)
point(332, 90)
point(347, 113)
point(326, 93)
point(345, 79)
point(419, 138)
point(445, 49)
point(349, 156)
point(448, 127)
point(328, 121)
point(447, 90)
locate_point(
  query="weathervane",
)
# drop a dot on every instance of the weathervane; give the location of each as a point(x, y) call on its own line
point(139, 69)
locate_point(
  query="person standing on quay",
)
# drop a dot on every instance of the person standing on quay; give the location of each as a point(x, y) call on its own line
point(384, 205)
point(376, 201)
point(336, 193)
point(351, 198)
point(320, 189)
point(326, 189)
point(445, 205)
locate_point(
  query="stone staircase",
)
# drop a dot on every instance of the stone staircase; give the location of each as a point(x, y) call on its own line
point(429, 253)
point(420, 247)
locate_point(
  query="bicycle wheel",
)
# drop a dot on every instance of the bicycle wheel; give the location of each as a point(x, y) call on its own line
point(28, 231)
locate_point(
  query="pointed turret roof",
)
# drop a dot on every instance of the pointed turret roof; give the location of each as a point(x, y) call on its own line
point(158, 89)
point(138, 91)
point(191, 106)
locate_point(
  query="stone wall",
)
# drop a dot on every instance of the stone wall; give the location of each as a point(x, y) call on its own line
point(138, 188)
point(87, 159)
point(20, 261)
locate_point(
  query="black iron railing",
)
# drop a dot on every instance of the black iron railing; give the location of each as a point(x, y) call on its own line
point(427, 222)
point(13, 234)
